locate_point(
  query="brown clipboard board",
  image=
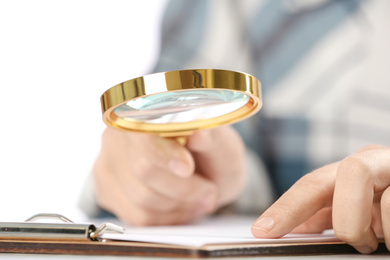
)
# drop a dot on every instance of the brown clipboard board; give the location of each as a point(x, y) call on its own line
point(83, 239)
point(117, 248)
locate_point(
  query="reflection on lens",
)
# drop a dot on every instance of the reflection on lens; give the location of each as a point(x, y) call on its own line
point(182, 106)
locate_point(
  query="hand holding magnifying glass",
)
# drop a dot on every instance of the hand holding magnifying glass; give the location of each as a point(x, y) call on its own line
point(144, 177)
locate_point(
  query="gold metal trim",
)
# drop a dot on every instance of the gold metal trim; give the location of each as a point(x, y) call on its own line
point(181, 80)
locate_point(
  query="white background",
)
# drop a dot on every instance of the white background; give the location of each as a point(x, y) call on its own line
point(56, 59)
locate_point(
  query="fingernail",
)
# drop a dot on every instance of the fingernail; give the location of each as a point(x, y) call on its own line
point(264, 224)
point(179, 168)
point(364, 249)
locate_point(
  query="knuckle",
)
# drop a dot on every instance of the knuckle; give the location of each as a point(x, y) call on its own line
point(354, 166)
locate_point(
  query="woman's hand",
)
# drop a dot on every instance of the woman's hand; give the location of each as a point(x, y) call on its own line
point(147, 180)
point(351, 196)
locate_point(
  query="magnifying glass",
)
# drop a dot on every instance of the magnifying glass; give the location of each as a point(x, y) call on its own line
point(176, 103)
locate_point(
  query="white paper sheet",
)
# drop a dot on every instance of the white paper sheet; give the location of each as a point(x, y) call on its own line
point(217, 230)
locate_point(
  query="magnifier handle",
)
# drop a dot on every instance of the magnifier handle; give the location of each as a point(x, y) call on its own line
point(182, 140)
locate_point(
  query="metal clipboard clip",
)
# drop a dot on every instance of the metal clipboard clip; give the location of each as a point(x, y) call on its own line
point(64, 230)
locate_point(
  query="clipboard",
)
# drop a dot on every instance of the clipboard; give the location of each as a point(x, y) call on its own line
point(71, 238)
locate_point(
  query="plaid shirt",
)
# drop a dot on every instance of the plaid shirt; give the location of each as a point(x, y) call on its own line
point(325, 73)
point(324, 68)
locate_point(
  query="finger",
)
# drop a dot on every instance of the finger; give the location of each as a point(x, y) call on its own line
point(385, 211)
point(144, 203)
point(130, 212)
point(145, 197)
point(173, 156)
point(162, 152)
point(319, 222)
point(195, 190)
point(359, 177)
point(304, 199)
point(110, 185)
point(143, 182)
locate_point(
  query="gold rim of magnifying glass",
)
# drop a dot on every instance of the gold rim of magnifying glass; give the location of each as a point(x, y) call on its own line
point(175, 81)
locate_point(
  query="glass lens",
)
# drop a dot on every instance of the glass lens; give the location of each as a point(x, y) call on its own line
point(182, 106)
